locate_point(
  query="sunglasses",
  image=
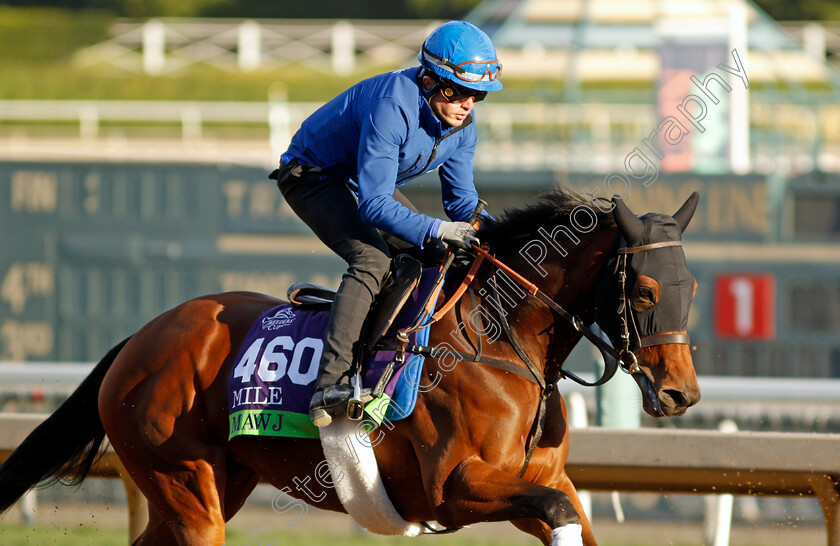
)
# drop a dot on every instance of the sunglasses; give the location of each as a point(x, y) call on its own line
point(456, 93)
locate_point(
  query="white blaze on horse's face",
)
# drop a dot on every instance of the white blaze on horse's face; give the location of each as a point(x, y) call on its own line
point(659, 289)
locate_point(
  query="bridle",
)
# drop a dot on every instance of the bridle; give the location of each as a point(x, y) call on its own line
point(624, 357)
point(626, 354)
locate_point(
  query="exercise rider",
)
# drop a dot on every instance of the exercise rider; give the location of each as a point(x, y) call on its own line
point(343, 166)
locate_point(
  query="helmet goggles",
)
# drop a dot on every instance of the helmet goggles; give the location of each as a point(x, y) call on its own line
point(468, 71)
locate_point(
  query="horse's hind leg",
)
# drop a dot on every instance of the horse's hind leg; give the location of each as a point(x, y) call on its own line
point(190, 498)
point(184, 506)
point(183, 477)
point(156, 533)
point(240, 481)
point(177, 499)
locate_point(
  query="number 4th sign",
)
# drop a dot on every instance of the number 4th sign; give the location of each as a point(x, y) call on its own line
point(745, 306)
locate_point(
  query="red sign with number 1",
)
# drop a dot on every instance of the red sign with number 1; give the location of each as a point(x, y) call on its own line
point(745, 306)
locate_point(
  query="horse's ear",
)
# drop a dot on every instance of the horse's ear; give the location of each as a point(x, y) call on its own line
point(683, 216)
point(631, 227)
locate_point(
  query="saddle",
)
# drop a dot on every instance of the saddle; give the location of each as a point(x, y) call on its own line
point(403, 277)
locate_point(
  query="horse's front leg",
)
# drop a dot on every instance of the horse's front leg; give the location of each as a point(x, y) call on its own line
point(543, 532)
point(476, 492)
point(547, 468)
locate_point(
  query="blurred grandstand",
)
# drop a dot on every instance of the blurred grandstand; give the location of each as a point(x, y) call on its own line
point(590, 84)
point(588, 80)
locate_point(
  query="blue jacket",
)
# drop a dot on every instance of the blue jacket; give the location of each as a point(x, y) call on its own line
point(378, 135)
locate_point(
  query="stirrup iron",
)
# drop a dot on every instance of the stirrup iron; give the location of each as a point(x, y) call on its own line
point(355, 407)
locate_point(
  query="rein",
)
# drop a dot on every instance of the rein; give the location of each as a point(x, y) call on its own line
point(574, 320)
point(623, 358)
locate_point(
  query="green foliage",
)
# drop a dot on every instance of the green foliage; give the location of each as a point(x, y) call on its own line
point(441, 9)
point(331, 9)
point(801, 10)
point(369, 9)
point(167, 8)
point(63, 81)
point(41, 34)
point(38, 63)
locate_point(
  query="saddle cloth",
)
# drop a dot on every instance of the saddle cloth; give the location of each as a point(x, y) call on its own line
point(273, 379)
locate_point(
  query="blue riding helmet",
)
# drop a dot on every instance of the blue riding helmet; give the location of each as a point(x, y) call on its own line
point(462, 53)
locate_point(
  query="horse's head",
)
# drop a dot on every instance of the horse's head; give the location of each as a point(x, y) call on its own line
point(653, 307)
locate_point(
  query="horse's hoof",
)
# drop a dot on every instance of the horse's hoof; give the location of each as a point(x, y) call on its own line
point(320, 418)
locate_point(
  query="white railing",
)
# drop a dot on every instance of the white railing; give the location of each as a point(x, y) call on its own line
point(780, 403)
point(192, 116)
point(66, 376)
point(593, 137)
point(499, 118)
point(159, 46)
point(819, 38)
point(539, 130)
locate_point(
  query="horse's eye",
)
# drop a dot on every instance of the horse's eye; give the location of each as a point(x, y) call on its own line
point(645, 293)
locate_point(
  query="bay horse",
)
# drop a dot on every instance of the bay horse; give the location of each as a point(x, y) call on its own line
point(484, 445)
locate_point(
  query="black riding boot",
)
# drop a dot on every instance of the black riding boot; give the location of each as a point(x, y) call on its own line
point(330, 209)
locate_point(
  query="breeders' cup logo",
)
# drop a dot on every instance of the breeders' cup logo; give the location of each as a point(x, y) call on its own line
point(283, 317)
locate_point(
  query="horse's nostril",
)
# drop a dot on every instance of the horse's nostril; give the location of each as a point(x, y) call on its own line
point(679, 399)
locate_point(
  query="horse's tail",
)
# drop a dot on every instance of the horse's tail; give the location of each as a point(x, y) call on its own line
point(64, 446)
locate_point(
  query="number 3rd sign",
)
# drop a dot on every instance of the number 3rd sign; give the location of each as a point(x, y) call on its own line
point(745, 306)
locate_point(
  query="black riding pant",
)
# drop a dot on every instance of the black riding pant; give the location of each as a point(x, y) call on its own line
point(330, 209)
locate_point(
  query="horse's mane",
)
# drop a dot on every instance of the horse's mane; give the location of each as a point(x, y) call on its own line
point(550, 209)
